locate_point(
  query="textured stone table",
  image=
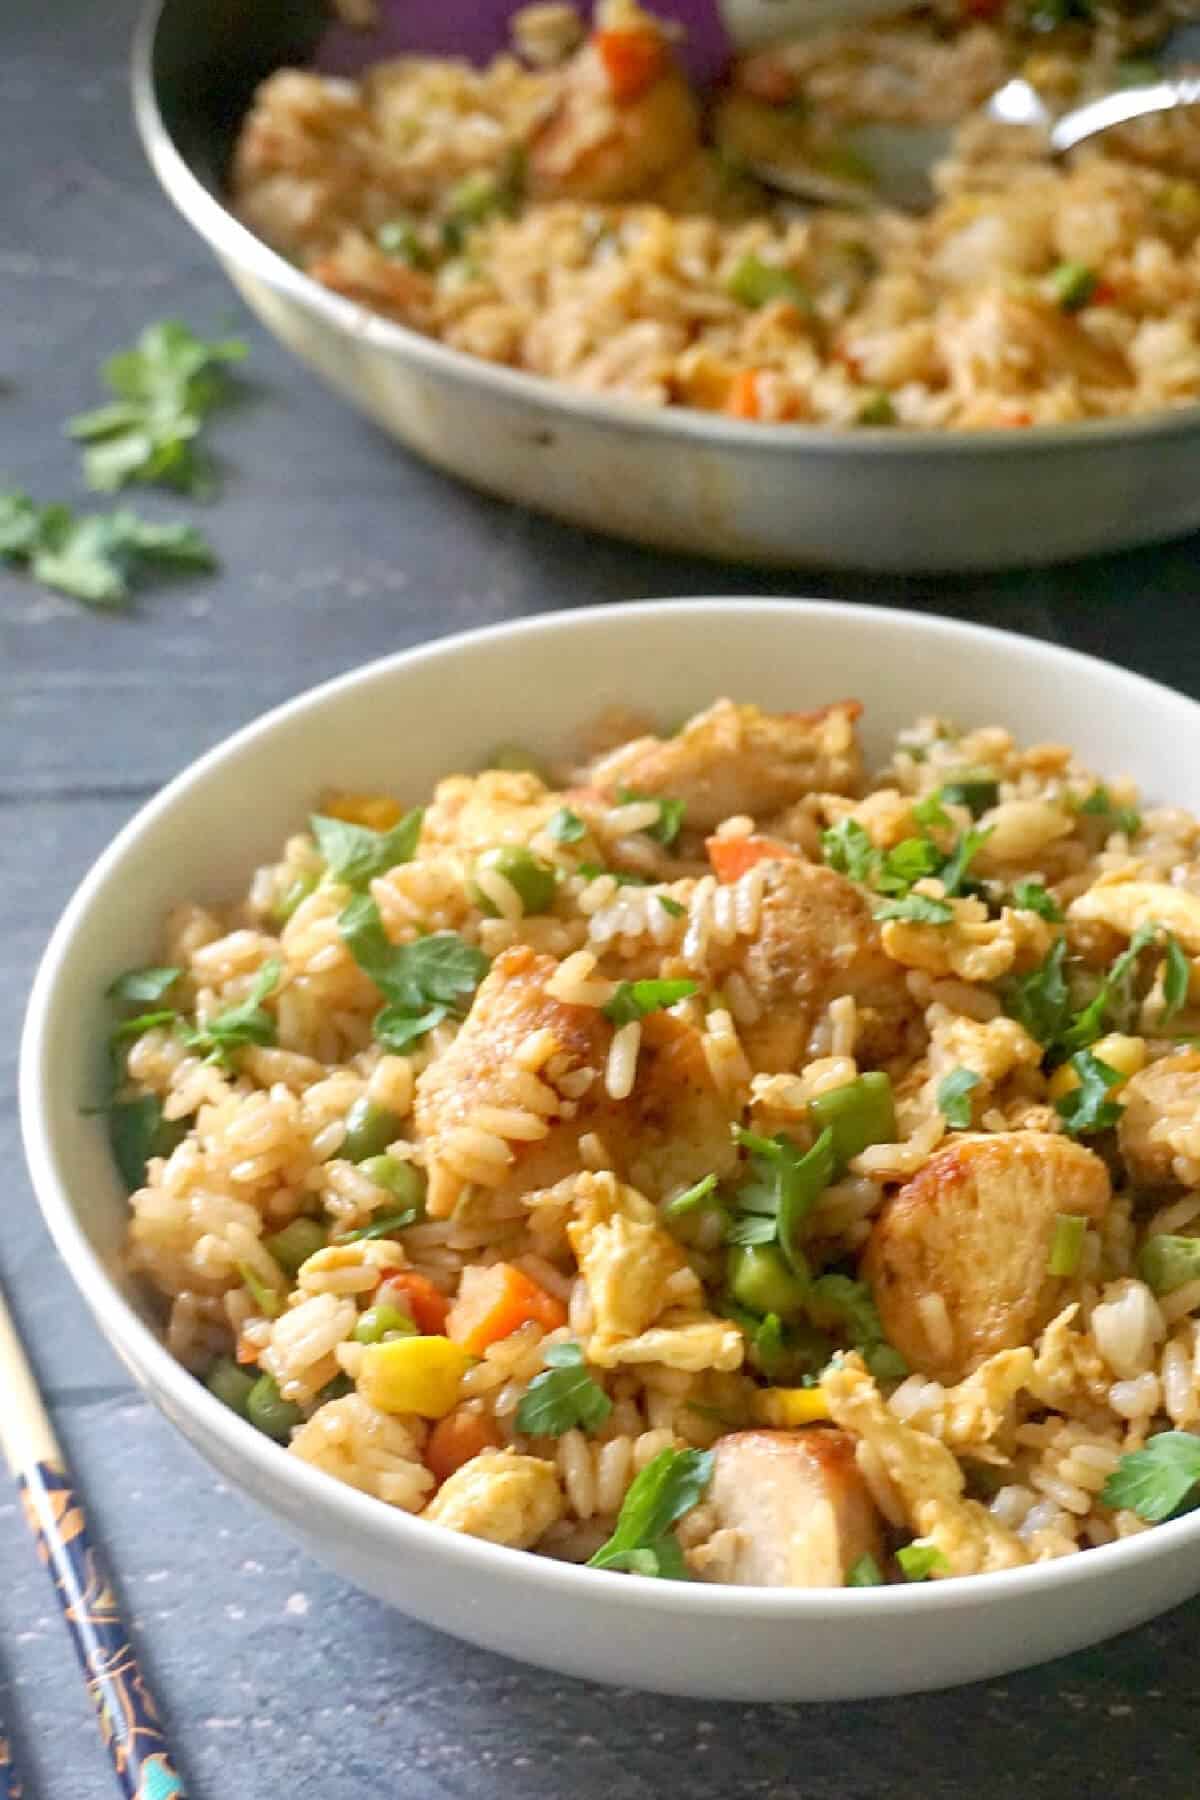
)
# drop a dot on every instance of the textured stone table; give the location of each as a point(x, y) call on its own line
point(276, 1677)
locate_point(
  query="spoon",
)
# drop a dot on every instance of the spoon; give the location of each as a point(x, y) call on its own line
point(901, 158)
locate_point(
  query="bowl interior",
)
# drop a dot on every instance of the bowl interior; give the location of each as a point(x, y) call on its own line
point(400, 724)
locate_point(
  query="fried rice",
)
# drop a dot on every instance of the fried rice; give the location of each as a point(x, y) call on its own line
point(706, 1158)
point(578, 212)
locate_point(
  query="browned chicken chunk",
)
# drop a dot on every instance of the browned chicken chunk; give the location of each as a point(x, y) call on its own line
point(817, 940)
point(739, 759)
point(673, 1128)
point(958, 1258)
point(792, 1511)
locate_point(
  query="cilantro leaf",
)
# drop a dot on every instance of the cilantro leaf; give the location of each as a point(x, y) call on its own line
point(929, 809)
point(634, 999)
point(670, 814)
point(839, 1303)
point(1031, 896)
point(165, 387)
point(1159, 1479)
point(1087, 1108)
point(1177, 977)
point(1039, 1001)
point(422, 982)
point(955, 868)
point(354, 855)
point(565, 826)
point(848, 850)
point(909, 861)
point(699, 1194)
point(670, 1485)
point(384, 1226)
point(144, 986)
point(975, 789)
point(783, 1186)
point(919, 1561)
point(137, 1131)
point(1099, 803)
point(247, 1023)
point(953, 1097)
point(129, 1029)
point(918, 909)
point(671, 906)
point(95, 558)
point(562, 1396)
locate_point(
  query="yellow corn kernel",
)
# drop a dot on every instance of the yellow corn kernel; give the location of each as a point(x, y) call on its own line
point(378, 812)
point(413, 1375)
point(1124, 1054)
point(783, 1407)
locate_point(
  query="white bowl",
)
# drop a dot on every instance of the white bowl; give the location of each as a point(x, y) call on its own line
point(399, 724)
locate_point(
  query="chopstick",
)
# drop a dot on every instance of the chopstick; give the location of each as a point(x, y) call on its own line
point(125, 1707)
point(10, 1781)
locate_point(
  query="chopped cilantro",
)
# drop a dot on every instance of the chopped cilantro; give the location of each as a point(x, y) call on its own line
point(247, 1023)
point(565, 826)
point(1039, 1001)
point(671, 906)
point(1031, 896)
point(98, 557)
point(1087, 1109)
point(165, 388)
point(928, 810)
point(670, 814)
point(1159, 1479)
point(917, 909)
point(953, 1098)
point(839, 1303)
point(354, 855)
point(1177, 977)
point(137, 1131)
point(698, 1195)
point(634, 999)
point(847, 848)
point(423, 982)
point(143, 986)
point(909, 861)
point(1099, 803)
point(972, 788)
point(563, 1396)
point(383, 1227)
point(643, 1542)
point(954, 870)
point(783, 1186)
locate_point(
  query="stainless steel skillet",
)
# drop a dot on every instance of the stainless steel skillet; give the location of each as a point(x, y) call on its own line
point(789, 495)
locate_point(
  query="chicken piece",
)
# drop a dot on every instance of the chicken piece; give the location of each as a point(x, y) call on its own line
point(473, 812)
point(817, 940)
point(1123, 905)
point(957, 1260)
point(970, 945)
point(792, 1510)
point(738, 759)
point(500, 1496)
point(638, 1279)
point(925, 1475)
point(625, 115)
point(673, 1128)
point(1159, 1131)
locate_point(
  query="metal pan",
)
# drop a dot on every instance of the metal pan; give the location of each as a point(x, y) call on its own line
point(777, 494)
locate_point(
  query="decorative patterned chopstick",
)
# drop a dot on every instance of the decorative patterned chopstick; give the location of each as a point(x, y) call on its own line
point(10, 1781)
point(53, 1510)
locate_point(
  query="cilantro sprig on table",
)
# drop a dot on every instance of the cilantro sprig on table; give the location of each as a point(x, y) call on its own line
point(163, 390)
point(95, 557)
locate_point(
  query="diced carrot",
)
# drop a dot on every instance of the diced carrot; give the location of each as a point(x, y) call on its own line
point(1103, 294)
point(744, 401)
point(458, 1437)
point(731, 857)
point(767, 79)
point(378, 812)
point(494, 1302)
point(633, 61)
point(246, 1351)
point(417, 1295)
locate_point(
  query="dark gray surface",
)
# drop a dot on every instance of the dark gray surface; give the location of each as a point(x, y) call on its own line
point(277, 1678)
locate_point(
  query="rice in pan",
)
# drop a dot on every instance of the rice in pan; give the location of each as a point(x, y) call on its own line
point(706, 1160)
point(576, 211)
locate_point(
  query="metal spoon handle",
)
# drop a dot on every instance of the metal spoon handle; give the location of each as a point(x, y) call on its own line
point(1117, 109)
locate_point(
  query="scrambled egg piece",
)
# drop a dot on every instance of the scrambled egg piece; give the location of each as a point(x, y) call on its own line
point(971, 945)
point(1159, 1131)
point(475, 812)
point(1123, 903)
point(500, 1496)
point(1068, 1367)
point(925, 1474)
point(637, 1277)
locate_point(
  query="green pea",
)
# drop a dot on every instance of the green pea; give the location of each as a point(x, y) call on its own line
point(1166, 1262)
point(860, 1113)
point(384, 1321)
point(297, 890)
point(269, 1412)
point(296, 1243)
point(369, 1130)
point(521, 761)
point(760, 1279)
point(403, 1179)
point(230, 1384)
point(534, 881)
